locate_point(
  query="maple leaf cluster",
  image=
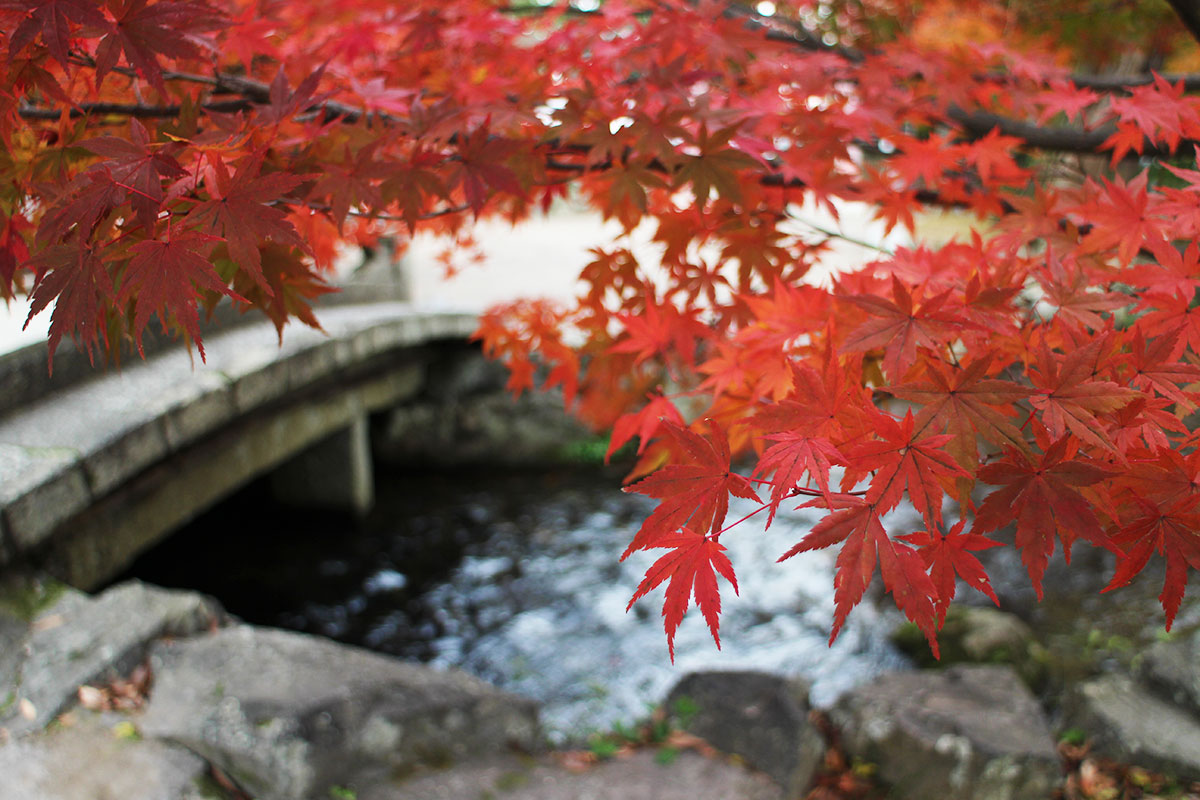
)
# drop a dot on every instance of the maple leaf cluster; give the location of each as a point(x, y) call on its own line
point(1038, 375)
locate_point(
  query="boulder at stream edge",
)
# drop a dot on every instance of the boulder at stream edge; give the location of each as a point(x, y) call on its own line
point(288, 715)
point(1153, 719)
point(761, 717)
point(965, 733)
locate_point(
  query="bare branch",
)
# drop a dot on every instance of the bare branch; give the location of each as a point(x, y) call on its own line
point(1054, 139)
point(1113, 83)
point(127, 110)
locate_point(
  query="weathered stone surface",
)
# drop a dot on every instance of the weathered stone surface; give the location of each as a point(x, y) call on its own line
point(978, 635)
point(966, 733)
point(334, 473)
point(762, 718)
point(125, 455)
point(481, 428)
point(635, 777)
point(1128, 723)
point(13, 635)
point(90, 762)
point(88, 439)
point(40, 487)
point(1172, 669)
point(288, 715)
point(80, 639)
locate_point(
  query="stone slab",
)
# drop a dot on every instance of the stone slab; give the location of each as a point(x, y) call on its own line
point(287, 715)
point(91, 762)
point(965, 733)
point(1128, 723)
point(638, 776)
point(1172, 670)
point(40, 488)
point(80, 639)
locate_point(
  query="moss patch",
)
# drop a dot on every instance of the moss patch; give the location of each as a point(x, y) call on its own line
point(26, 597)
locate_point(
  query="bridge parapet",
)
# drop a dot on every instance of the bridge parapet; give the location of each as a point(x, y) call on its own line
point(117, 461)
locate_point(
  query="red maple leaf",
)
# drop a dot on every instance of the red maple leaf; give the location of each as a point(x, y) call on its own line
point(925, 159)
point(239, 210)
point(948, 556)
point(693, 493)
point(1120, 218)
point(643, 423)
point(76, 279)
point(900, 326)
point(481, 168)
point(964, 403)
point(856, 526)
point(901, 460)
point(1069, 398)
point(662, 329)
point(1155, 367)
point(145, 31)
point(1159, 111)
point(412, 182)
point(164, 277)
point(351, 181)
point(1170, 272)
point(715, 166)
point(139, 167)
point(691, 567)
point(793, 455)
point(1147, 421)
point(53, 19)
point(1171, 531)
point(1175, 316)
point(1040, 494)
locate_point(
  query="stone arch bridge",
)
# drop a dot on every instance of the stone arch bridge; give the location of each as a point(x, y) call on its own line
point(99, 465)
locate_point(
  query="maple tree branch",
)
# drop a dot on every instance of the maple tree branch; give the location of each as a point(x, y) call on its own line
point(844, 237)
point(1116, 83)
point(136, 110)
point(1051, 139)
point(385, 217)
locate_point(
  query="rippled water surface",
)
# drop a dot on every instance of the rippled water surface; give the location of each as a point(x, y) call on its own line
point(515, 577)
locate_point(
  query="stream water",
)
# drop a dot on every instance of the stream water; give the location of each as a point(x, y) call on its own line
point(515, 578)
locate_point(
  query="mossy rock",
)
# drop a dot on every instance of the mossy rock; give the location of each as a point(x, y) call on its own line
point(26, 596)
point(979, 636)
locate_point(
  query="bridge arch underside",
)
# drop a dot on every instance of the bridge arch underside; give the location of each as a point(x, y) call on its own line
point(316, 444)
point(93, 471)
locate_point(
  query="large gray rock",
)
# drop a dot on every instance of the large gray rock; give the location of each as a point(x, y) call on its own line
point(287, 716)
point(1128, 723)
point(639, 776)
point(1172, 669)
point(762, 718)
point(965, 733)
point(90, 762)
point(80, 639)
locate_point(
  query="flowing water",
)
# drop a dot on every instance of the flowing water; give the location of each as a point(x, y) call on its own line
point(515, 577)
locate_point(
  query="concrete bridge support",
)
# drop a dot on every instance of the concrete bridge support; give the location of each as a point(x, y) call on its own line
point(336, 473)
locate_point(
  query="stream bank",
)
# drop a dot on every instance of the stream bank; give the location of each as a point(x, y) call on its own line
point(160, 695)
